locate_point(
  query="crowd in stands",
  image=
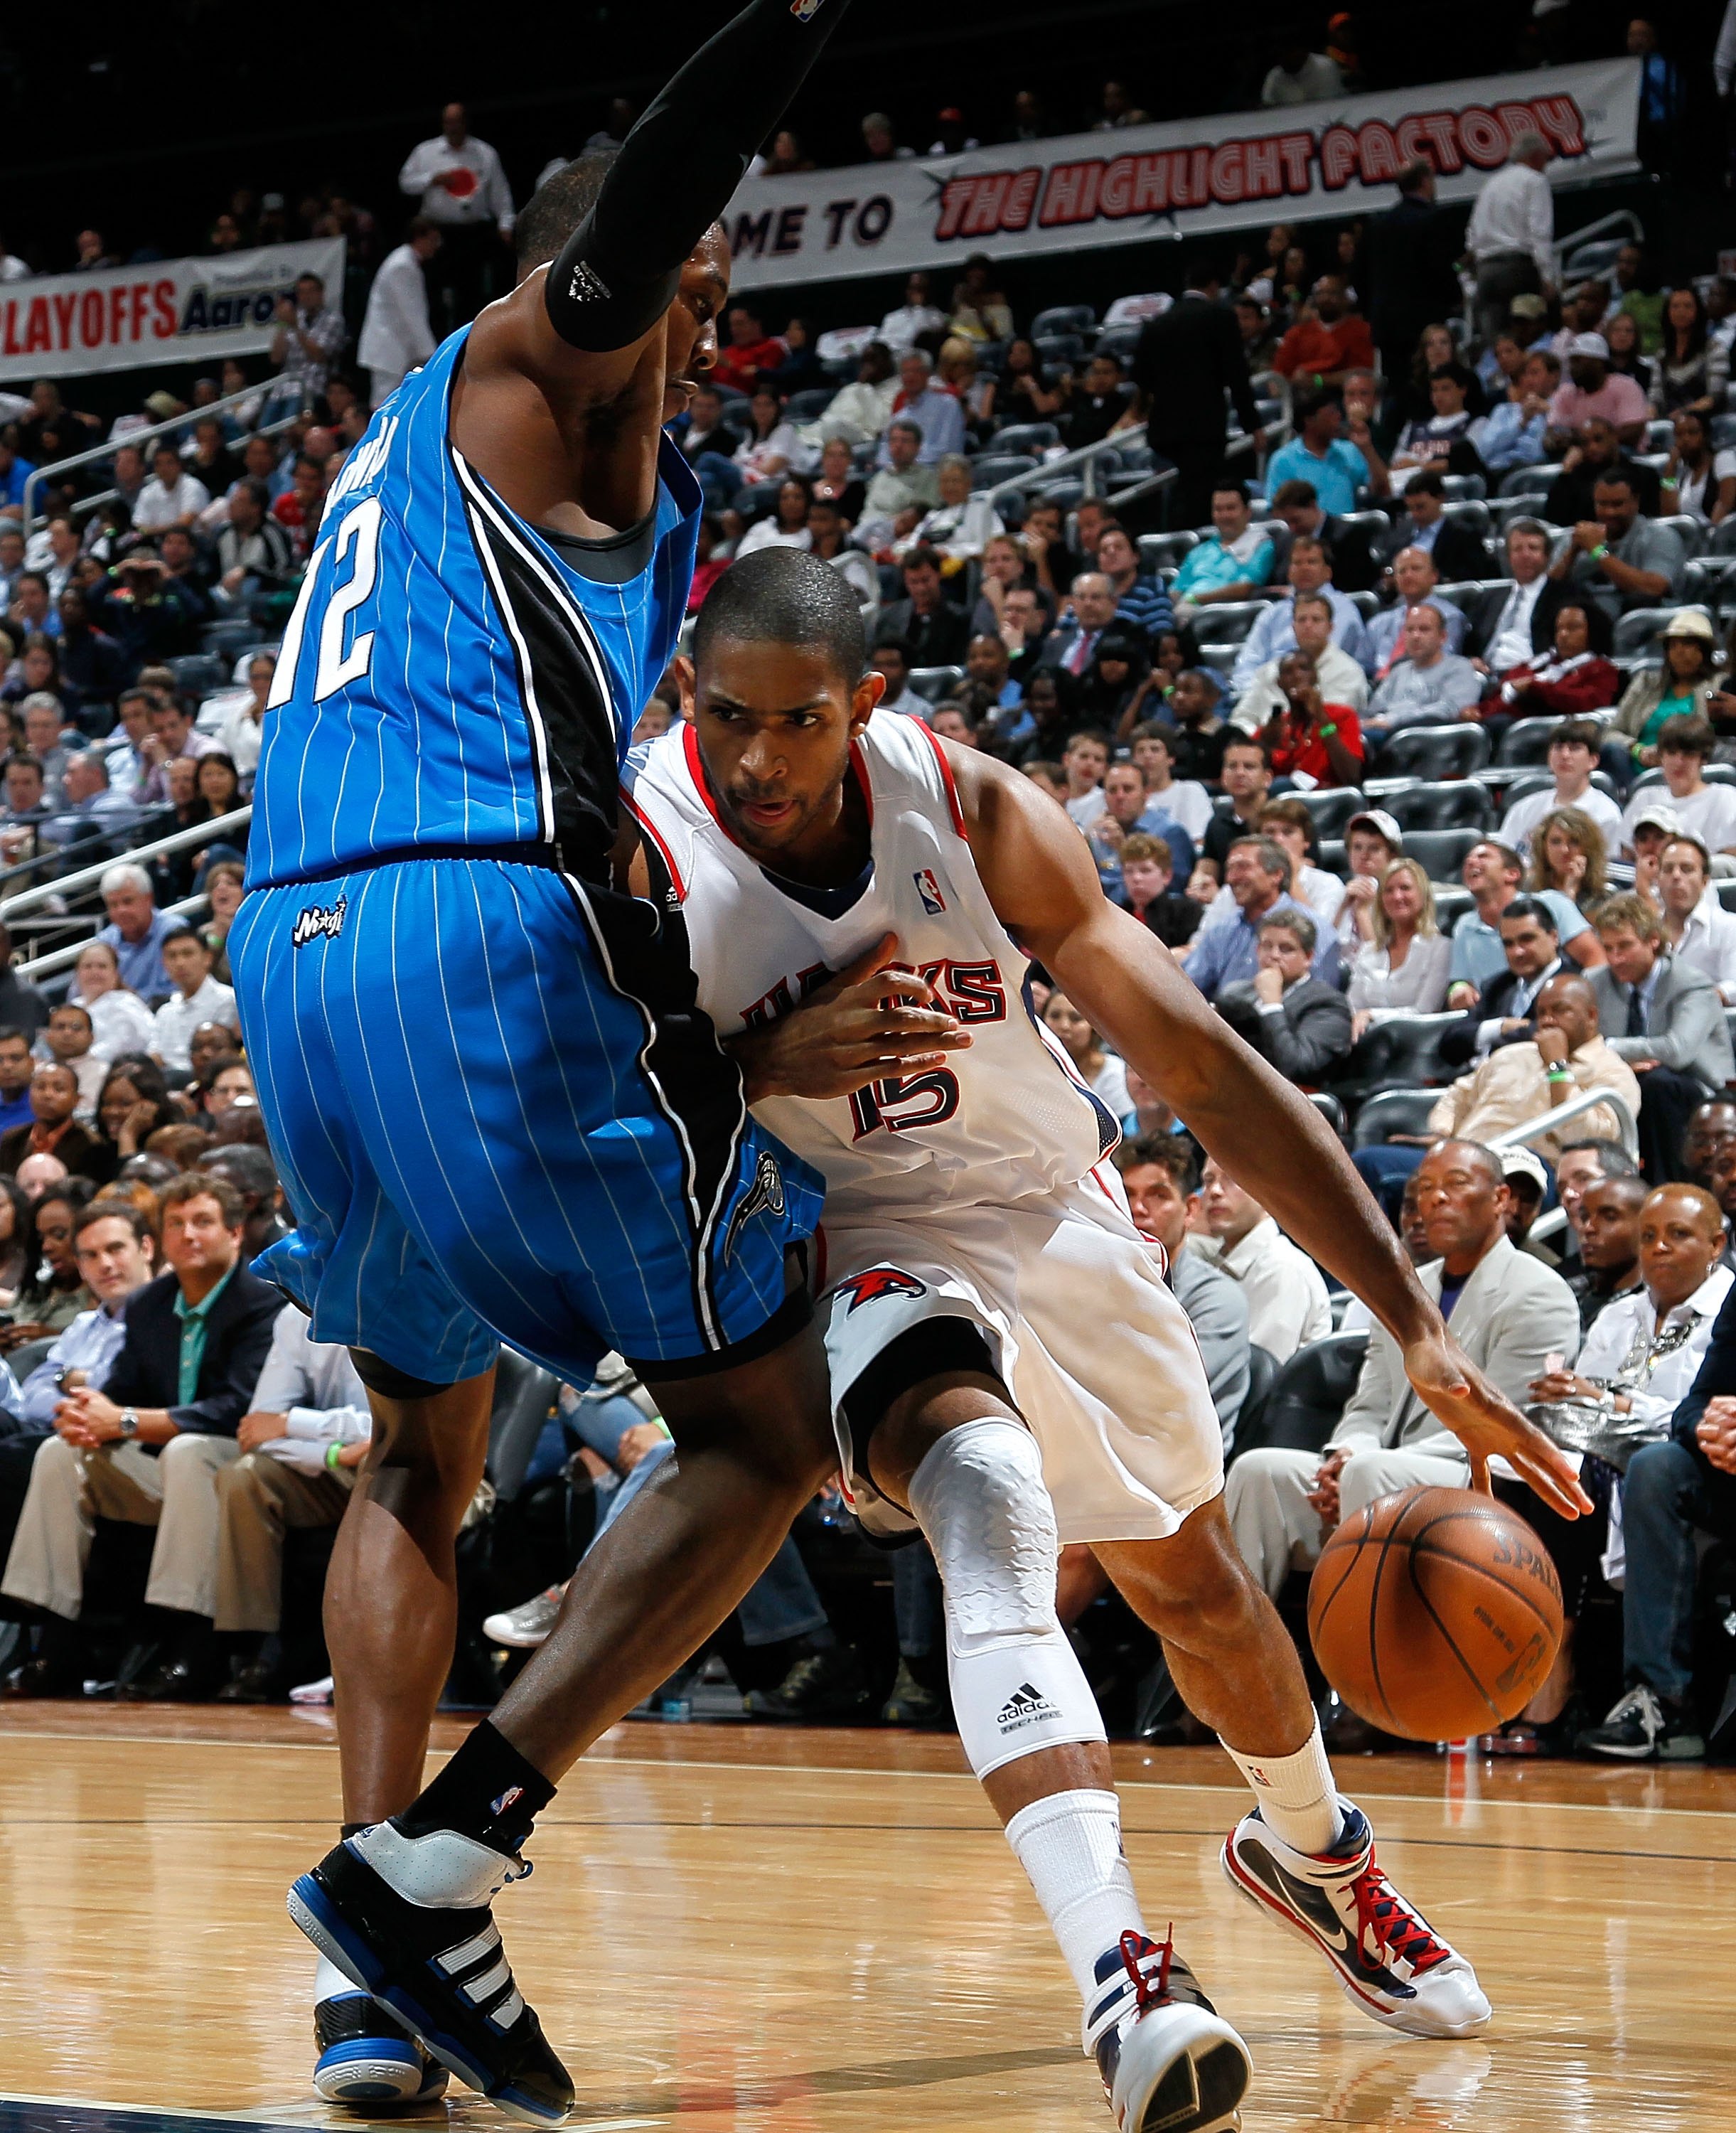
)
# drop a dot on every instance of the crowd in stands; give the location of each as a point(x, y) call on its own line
point(1399, 712)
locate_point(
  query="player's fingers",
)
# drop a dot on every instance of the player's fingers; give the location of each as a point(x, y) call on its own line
point(866, 964)
point(1479, 1475)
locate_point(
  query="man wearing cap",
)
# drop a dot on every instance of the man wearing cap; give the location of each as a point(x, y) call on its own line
point(1592, 388)
point(1573, 756)
point(1511, 234)
point(1372, 841)
point(1527, 1181)
point(1491, 873)
point(1666, 1020)
point(1619, 559)
point(1705, 811)
point(1649, 830)
point(1700, 932)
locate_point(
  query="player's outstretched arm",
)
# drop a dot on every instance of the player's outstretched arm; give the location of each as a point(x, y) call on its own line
point(677, 170)
point(1044, 887)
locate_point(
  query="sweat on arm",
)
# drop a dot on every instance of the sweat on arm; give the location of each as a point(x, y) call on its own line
point(678, 170)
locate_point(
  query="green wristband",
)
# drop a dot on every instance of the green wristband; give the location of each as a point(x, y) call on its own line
point(1598, 553)
point(333, 1454)
point(1327, 732)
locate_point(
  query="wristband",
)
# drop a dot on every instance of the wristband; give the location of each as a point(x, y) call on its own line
point(1558, 1074)
point(334, 1454)
point(1598, 552)
point(1326, 733)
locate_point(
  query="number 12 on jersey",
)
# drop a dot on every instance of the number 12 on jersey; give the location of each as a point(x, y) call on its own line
point(343, 652)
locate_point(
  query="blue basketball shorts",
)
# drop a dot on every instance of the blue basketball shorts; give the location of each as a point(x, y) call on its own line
point(498, 1115)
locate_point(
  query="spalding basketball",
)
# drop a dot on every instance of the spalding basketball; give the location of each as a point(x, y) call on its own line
point(1435, 1613)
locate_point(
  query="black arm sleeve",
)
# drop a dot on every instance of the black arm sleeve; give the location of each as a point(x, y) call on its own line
point(677, 170)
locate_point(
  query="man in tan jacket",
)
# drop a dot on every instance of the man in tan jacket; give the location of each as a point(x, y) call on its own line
point(1521, 1081)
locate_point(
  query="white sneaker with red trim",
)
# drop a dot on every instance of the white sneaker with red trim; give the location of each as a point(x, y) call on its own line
point(1389, 1961)
point(1170, 2062)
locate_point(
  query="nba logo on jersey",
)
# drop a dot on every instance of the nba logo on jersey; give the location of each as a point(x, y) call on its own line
point(929, 889)
point(804, 11)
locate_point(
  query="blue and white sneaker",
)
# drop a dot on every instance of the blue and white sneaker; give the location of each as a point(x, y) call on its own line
point(407, 1920)
point(1385, 1954)
point(1170, 2062)
point(368, 2059)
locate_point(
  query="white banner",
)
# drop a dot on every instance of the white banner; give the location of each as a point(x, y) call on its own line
point(172, 310)
point(1189, 178)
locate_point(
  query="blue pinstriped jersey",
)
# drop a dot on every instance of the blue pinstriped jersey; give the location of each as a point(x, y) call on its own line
point(448, 681)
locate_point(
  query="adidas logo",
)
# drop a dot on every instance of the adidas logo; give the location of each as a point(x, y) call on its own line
point(1025, 1706)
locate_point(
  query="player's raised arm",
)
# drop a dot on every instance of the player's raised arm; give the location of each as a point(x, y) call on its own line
point(677, 170)
point(1044, 887)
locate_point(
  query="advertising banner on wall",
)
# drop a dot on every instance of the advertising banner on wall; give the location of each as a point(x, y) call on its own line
point(1186, 178)
point(170, 310)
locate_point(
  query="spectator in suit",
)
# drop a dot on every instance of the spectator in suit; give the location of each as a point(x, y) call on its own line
point(1160, 1175)
point(1500, 1012)
point(1410, 252)
point(149, 1446)
point(1187, 358)
point(1671, 1492)
point(937, 632)
point(1457, 552)
point(1307, 1022)
point(1256, 874)
point(53, 1130)
point(1711, 1130)
point(1297, 505)
point(1508, 1311)
point(1666, 1020)
point(1509, 628)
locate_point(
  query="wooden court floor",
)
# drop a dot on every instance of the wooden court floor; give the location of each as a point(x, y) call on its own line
point(824, 1932)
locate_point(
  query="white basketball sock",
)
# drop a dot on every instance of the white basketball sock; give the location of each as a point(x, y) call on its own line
point(1295, 1793)
point(1069, 1844)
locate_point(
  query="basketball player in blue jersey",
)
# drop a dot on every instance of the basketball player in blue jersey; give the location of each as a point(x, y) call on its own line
point(498, 1112)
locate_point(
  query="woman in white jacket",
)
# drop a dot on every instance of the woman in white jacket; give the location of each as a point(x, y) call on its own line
point(1404, 968)
point(120, 1019)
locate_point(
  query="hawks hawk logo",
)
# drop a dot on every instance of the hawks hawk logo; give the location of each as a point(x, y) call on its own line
point(879, 1281)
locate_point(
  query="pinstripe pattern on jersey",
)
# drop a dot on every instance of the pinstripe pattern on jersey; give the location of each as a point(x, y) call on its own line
point(502, 686)
point(494, 1120)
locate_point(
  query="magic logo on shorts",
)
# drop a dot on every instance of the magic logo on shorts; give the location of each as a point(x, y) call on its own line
point(317, 919)
point(766, 1193)
point(879, 1281)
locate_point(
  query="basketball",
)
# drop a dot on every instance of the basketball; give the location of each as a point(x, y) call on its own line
point(1435, 1613)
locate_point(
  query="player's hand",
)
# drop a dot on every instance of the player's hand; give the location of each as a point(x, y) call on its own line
point(870, 1023)
point(1487, 1423)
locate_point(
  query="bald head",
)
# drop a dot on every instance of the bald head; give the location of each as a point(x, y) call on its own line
point(1681, 1236)
point(1569, 1006)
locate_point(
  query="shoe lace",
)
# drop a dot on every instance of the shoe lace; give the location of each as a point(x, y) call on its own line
point(1134, 1948)
point(1384, 1916)
point(1642, 1707)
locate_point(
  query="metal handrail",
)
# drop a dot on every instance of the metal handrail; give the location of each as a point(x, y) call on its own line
point(180, 841)
point(82, 506)
point(108, 450)
point(63, 958)
point(1575, 1107)
point(1623, 218)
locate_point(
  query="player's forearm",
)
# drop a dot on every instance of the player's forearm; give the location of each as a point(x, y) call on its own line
point(1271, 1140)
point(677, 170)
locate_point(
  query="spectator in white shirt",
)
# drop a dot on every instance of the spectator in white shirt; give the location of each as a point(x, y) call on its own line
point(1184, 800)
point(238, 735)
point(1087, 758)
point(1705, 811)
point(1573, 756)
point(1337, 675)
point(1511, 235)
point(785, 525)
point(1700, 932)
point(301, 1442)
point(396, 333)
point(457, 180)
point(1287, 1305)
point(917, 315)
point(197, 998)
point(859, 411)
point(961, 524)
point(171, 497)
point(1300, 77)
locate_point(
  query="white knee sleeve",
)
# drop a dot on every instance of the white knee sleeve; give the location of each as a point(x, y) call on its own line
point(980, 1499)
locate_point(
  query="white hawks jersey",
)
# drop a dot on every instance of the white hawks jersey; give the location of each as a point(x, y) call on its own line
point(1006, 1119)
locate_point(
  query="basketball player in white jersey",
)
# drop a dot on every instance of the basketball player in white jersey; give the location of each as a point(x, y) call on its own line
point(1009, 1371)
